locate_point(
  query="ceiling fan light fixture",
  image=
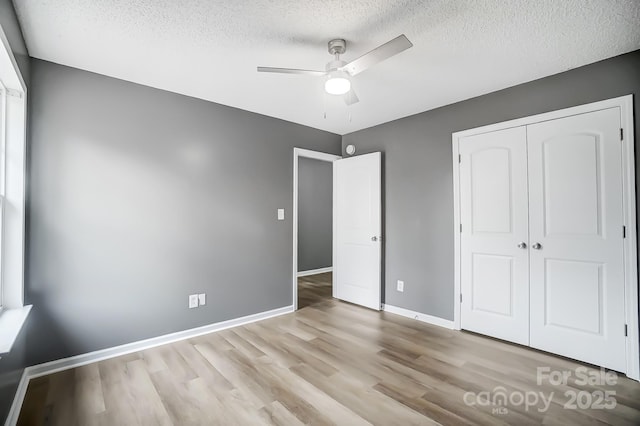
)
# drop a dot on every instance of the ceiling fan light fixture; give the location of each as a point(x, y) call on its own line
point(338, 73)
point(337, 83)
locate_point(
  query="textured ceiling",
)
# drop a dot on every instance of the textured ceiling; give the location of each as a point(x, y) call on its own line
point(210, 48)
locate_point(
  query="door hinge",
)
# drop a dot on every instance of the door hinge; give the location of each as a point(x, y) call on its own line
point(460, 228)
point(460, 297)
point(625, 330)
point(624, 231)
point(459, 158)
point(621, 134)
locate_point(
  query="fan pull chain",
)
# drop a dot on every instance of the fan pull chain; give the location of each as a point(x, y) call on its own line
point(324, 104)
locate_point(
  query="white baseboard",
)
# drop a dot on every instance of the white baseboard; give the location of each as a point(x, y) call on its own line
point(429, 319)
point(315, 271)
point(88, 358)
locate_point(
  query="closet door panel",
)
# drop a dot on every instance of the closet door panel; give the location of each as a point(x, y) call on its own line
point(494, 259)
point(576, 219)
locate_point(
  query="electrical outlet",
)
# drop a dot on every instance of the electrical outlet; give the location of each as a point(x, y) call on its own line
point(202, 299)
point(400, 286)
point(193, 301)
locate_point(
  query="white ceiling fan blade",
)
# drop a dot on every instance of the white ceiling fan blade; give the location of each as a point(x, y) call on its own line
point(290, 71)
point(379, 54)
point(350, 97)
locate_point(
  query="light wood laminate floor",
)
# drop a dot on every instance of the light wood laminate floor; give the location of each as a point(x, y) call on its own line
point(328, 363)
point(314, 289)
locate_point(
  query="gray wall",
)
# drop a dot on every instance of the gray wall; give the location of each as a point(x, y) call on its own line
point(418, 182)
point(315, 213)
point(11, 28)
point(12, 364)
point(140, 197)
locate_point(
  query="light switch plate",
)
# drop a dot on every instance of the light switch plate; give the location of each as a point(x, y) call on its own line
point(202, 299)
point(400, 286)
point(280, 214)
point(193, 301)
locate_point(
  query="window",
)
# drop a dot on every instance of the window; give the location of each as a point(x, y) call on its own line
point(3, 161)
point(13, 102)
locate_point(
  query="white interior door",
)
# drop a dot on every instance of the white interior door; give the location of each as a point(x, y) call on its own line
point(357, 229)
point(576, 230)
point(494, 215)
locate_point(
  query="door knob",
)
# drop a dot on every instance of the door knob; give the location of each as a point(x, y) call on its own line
point(536, 246)
point(376, 238)
point(522, 245)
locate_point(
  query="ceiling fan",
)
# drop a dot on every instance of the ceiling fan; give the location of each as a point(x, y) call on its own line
point(339, 72)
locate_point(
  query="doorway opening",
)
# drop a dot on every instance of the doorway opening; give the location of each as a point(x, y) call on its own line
point(312, 227)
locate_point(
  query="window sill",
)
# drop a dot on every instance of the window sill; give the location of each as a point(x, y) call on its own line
point(11, 321)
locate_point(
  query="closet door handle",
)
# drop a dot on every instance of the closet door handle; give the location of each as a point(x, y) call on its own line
point(537, 246)
point(522, 245)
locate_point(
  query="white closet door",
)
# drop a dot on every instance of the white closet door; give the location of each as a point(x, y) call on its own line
point(494, 255)
point(577, 282)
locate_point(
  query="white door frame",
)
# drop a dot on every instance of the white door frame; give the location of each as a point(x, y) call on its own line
point(306, 153)
point(625, 103)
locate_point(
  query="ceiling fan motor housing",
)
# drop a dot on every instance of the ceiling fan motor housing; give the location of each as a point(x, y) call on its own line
point(334, 65)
